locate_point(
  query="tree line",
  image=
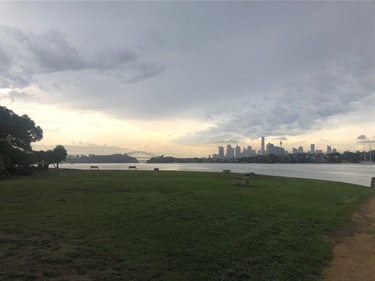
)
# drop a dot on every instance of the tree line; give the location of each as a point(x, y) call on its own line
point(17, 133)
point(114, 158)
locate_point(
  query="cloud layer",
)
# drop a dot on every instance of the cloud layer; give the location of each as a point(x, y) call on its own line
point(26, 55)
point(245, 69)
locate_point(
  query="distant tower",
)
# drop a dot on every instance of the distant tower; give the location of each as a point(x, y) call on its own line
point(230, 152)
point(221, 152)
point(329, 149)
point(281, 143)
point(262, 147)
point(237, 152)
point(312, 148)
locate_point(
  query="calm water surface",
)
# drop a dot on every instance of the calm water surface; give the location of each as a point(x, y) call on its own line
point(350, 173)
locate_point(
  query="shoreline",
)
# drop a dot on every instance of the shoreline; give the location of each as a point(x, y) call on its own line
point(346, 173)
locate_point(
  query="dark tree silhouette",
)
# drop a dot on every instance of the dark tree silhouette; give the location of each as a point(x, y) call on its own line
point(16, 135)
point(17, 132)
point(58, 155)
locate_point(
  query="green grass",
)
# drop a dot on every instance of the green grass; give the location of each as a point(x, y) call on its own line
point(149, 225)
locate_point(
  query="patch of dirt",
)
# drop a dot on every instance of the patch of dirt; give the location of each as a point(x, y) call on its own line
point(354, 254)
point(41, 256)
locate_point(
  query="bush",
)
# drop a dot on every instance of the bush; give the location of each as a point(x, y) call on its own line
point(20, 170)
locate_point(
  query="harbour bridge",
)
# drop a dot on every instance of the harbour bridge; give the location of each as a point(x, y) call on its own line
point(141, 156)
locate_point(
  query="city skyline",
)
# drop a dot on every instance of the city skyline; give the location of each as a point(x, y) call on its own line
point(182, 77)
point(236, 152)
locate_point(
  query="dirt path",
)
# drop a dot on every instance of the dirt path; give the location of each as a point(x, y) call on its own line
point(354, 255)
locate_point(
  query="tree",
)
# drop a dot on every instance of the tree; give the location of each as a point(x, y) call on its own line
point(16, 135)
point(17, 132)
point(57, 155)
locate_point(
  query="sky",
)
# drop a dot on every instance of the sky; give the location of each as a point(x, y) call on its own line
point(180, 78)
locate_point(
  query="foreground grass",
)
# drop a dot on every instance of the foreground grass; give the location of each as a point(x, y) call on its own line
point(147, 225)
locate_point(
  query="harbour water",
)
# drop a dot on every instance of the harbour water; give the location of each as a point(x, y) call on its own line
point(349, 173)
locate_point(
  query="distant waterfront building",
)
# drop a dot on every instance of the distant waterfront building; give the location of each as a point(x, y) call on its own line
point(329, 149)
point(298, 150)
point(262, 146)
point(275, 150)
point(334, 150)
point(230, 152)
point(312, 148)
point(245, 153)
point(270, 148)
point(248, 152)
point(221, 152)
point(237, 152)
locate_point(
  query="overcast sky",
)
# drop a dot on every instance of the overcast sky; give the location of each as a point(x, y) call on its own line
point(181, 78)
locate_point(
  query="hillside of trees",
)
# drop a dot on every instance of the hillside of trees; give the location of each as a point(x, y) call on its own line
point(114, 158)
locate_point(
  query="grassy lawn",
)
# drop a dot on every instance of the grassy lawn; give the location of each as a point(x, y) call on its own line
point(158, 225)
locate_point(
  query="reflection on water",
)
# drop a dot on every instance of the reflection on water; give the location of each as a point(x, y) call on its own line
point(350, 173)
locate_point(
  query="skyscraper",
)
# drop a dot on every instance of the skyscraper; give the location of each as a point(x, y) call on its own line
point(329, 149)
point(221, 152)
point(230, 152)
point(262, 147)
point(312, 148)
point(237, 152)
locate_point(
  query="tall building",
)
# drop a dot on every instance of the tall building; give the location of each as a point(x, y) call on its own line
point(262, 147)
point(237, 152)
point(230, 152)
point(275, 150)
point(299, 150)
point(270, 147)
point(329, 149)
point(221, 152)
point(247, 152)
point(312, 148)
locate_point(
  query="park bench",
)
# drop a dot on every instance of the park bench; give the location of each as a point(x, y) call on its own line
point(226, 171)
point(132, 167)
point(94, 167)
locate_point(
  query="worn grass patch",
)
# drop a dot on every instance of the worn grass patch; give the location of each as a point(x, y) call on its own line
point(148, 225)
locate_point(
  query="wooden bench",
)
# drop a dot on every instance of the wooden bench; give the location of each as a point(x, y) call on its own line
point(242, 181)
point(250, 174)
point(132, 167)
point(156, 169)
point(226, 171)
point(94, 167)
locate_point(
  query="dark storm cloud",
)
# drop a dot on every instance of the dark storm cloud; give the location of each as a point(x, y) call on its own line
point(52, 52)
point(363, 139)
point(26, 55)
